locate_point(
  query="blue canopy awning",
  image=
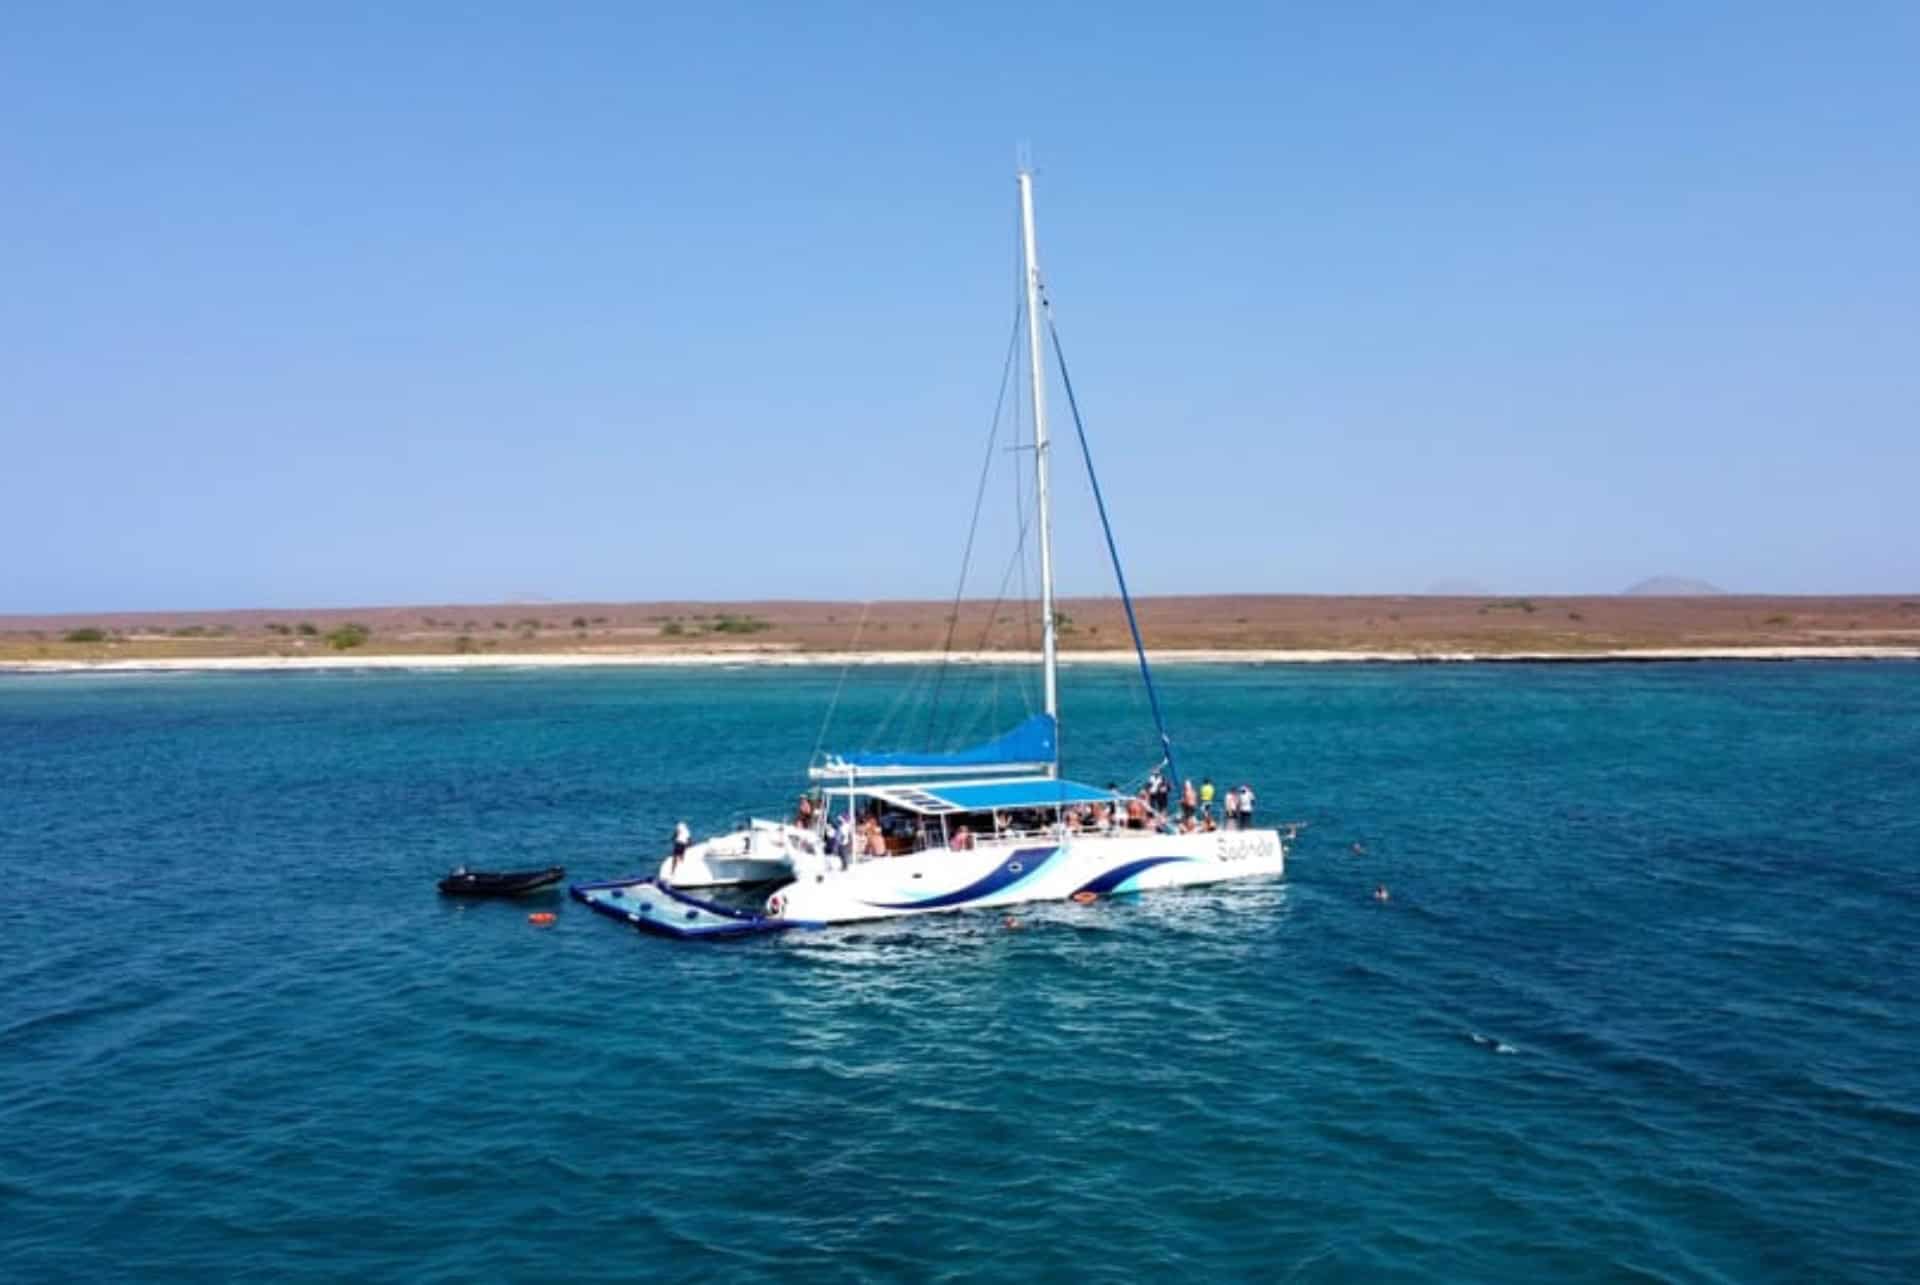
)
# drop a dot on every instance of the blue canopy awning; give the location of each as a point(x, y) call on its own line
point(1031, 745)
point(1049, 793)
point(933, 799)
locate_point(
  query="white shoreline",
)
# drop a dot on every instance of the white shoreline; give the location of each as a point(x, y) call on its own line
point(764, 658)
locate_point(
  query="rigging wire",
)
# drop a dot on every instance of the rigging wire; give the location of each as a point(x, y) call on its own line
point(1022, 680)
point(1113, 550)
point(834, 704)
point(1022, 433)
point(936, 733)
point(993, 676)
point(973, 525)
point(993, 614)
point(902, 707)
point(1019, 551)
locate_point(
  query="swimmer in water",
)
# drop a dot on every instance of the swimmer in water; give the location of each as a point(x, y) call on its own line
point(1380, 893)
point(1013, 925)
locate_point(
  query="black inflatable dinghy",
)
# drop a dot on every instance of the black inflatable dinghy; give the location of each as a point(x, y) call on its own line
point(500, 883)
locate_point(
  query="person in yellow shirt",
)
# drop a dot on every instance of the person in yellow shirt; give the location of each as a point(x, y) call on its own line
point(1206, 798)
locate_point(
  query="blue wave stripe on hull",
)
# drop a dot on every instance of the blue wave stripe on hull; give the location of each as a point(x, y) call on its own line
point(1110, 880)
point(1021, 866)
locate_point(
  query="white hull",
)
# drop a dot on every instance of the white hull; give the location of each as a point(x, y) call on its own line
point(761, 853)
point(1006, 873)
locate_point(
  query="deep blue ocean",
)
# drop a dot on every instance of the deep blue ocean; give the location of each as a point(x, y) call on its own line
point(1643, 1004)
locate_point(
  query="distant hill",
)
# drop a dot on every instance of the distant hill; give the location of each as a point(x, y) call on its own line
point(1672, 587)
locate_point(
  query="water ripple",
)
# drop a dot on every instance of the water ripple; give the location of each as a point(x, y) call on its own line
point(1640, 1008)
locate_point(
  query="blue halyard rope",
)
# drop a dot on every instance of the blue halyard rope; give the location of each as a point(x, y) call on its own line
point(1113, 551)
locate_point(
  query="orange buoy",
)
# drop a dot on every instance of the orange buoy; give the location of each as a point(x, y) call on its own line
point(543, 918)
point(1086, 898)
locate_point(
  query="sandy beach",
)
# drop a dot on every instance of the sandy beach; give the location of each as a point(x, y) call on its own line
point(776, 657)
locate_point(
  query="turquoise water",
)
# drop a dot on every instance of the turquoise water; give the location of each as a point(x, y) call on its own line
point(1642, 1006)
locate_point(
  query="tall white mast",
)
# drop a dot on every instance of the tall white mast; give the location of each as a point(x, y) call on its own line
point(1037, 371)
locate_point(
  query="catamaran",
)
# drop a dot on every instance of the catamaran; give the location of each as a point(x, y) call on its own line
point(991, 825)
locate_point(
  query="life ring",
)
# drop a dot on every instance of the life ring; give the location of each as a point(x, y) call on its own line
point(543, 918)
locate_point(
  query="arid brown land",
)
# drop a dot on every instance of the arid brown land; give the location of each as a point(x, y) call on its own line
point(1484, 625)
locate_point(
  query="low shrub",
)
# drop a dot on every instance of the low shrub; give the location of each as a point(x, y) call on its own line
point(347, 636)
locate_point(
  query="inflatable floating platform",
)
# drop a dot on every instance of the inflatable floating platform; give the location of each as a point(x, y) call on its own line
point(653, 907)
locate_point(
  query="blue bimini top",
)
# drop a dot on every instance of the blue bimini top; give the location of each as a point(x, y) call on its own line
point(930, 799)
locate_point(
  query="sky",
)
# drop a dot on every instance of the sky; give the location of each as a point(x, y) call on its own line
point(435, 304)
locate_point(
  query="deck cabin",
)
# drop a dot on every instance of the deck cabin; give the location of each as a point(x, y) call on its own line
point(922, 815)
point(1007, 790)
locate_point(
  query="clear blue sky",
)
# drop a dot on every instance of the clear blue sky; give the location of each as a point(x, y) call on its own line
point(457, 303)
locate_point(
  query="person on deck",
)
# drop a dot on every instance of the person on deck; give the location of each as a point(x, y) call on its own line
point(803, 815)
point(1206, 796)
point(1246, 807)
point(962, 840)
point(1232, 808)
point(682, 838)
point(1188, 799)
point(1136, 813)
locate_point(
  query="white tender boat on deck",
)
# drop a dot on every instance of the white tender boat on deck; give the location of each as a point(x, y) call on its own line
point(761, 852)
